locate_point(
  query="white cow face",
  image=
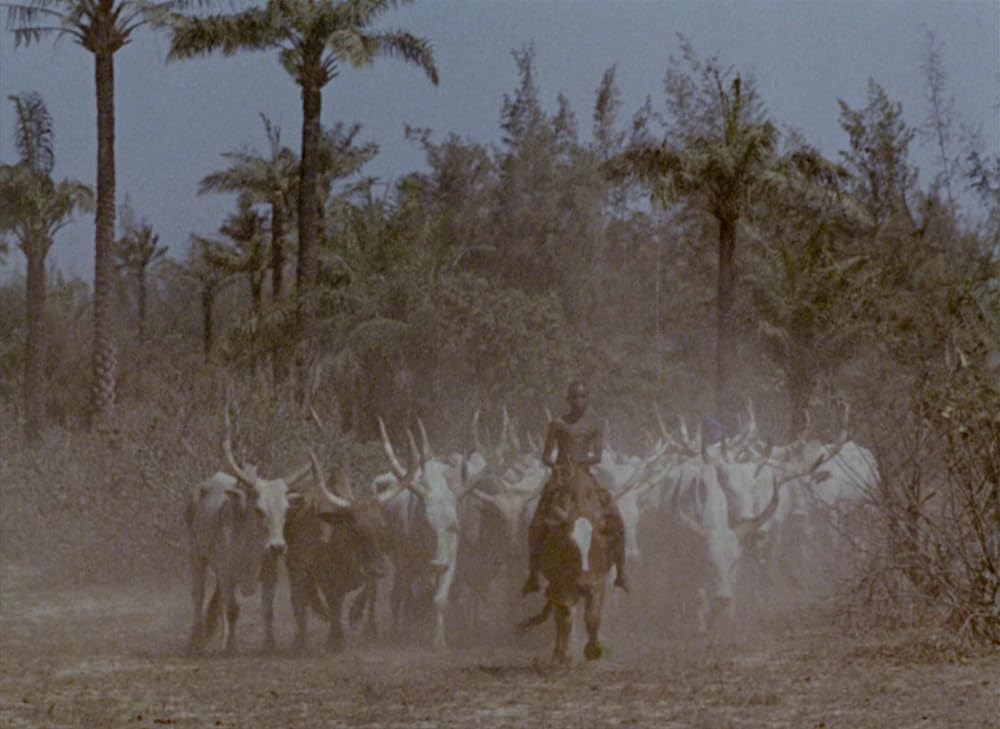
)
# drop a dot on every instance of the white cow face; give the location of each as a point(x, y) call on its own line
point(441, 510)
point(270, 506)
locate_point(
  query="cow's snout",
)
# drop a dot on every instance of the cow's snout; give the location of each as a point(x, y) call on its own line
point(277, 548)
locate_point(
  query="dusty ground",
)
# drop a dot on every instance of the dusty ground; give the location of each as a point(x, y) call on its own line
point(103, 656)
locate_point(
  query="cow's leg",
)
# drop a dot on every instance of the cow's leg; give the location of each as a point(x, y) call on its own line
point(593, 603)
point(268, 585)
point(335, 638)
point(441, 604)
point(564, 631)
point(399, 597)
point(300, 609)
point(230, 616)
point(212, 613)
point(197, 642)
point(365, 604)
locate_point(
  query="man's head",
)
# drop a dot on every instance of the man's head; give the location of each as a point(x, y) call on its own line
point(577, 396)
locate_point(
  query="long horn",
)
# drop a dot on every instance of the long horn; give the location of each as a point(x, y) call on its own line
point(402, 480)
point(397, 469)
point(659, 421)
point(425, 444)
point(227, 450)
point(748, 526)
point(293, 479)
point(640, 471)
point(337, 501)
point(502, 445)
point(684, 433)
point(475, 434)
point(408, 478)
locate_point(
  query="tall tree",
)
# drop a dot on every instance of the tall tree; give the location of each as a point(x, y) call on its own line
point(247, 254)
point(102, 27)
point(717, 151)
point(33, 208)
point(314, 39)
point(269, 178)
point(135, 253)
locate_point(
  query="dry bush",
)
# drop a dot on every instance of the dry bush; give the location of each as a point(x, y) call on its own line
point(932, 556)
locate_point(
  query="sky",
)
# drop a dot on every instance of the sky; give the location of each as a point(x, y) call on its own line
point(173, 121)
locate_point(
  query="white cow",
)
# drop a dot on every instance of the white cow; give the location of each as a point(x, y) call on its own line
point(424, 536)
point(236, 523)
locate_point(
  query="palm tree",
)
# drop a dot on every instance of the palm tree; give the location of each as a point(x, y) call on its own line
point(314, 38)
point(726, 152)
point(270, 179)
point(136, 251)
point(247, 254)
point(102, 27)
point(33, 208)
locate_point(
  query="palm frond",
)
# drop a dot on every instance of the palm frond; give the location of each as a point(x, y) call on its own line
point(253, 29)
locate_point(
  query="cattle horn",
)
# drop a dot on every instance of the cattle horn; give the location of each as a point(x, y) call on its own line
point(227, 449)
point(425, 444)
point(332, 498)
point(475, 434)
point(397, 469)
point(745, 527)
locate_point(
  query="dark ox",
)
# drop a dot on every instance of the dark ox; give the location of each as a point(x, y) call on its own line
point(335, 546)
point(575, 562)
point(236, 525)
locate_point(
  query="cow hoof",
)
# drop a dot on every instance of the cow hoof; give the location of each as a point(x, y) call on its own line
point(269, 648)
point(593, 651)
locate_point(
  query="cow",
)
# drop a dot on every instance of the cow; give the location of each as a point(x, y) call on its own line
point(423, 537)
point(575, 561)
point(702, 540)
point(236, 523)
point(336, 545)
point(496, 482)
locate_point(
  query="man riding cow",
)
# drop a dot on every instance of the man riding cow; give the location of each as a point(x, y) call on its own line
point(577, 438)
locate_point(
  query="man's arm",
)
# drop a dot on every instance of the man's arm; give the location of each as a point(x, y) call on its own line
point(596, 451)
point(551, 441)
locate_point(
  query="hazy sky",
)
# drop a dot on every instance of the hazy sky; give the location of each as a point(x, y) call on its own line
point(173, 121)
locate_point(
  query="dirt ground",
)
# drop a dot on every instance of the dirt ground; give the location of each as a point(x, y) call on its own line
point(112, 656)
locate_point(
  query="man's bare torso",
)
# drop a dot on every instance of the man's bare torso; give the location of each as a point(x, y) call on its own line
point(578, 441)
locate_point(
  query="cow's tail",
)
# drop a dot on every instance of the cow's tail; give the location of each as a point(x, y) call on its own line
point(537, 619)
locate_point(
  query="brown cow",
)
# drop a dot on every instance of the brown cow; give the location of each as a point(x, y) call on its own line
point(574, 560)
point(336, 544)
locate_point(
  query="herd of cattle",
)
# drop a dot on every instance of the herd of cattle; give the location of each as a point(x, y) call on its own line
point(711, 528)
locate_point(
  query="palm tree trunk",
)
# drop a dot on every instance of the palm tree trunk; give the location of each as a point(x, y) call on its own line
point(104, 362)
point(724, 335)
point(312, 101)
point(279, 361)
point(277, 249)
point(34, 346)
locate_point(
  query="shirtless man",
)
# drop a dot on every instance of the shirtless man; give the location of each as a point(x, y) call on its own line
point(577, 440)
